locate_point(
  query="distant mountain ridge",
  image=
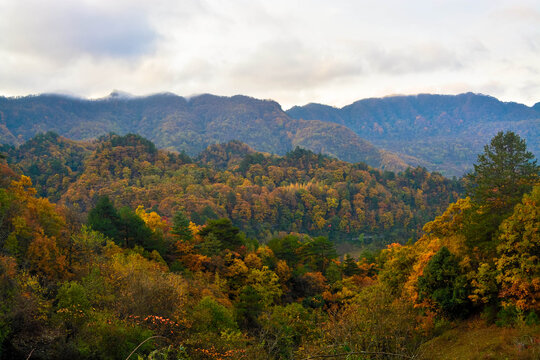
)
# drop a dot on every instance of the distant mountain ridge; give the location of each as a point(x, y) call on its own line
point(176, 123)
point(440, 132)
point(445, 131)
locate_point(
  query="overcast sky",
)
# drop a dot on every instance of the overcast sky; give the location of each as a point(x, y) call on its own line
point(295, 52)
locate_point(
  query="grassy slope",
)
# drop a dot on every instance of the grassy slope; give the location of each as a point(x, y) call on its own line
point(475, 340)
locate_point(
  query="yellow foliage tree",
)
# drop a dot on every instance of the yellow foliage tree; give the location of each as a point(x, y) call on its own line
point(519, 249)
point(152, 220)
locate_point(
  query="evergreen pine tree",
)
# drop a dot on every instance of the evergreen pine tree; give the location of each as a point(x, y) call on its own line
point(181, 226)
point(503, 173)
point(105, 218)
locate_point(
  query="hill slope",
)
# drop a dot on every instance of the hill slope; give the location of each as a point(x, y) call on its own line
point(446, 131)
point(176, 123)
point(262, 194)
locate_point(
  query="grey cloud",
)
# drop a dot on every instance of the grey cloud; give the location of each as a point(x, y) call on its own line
point(63, 30)
point(412, 59)
point(288, 63)
point(292, 64)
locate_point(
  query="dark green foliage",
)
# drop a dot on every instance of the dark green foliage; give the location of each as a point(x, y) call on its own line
point(250, 159)
point(349, 266)
point(286, 248)
point(224, 231)
point(105, 218)
point(202, 217)
point(532, 319)
point(112, 340)
point(444, 284)
point(8, 292)
point(313, 302)
point(318, 253)
point(507, 316)
point(133, 231)
point(503, 173)
point(304, 158)
point(248, 307)
point(333, 273)
point(511, 316)
point(223, 156)
point(181, 226)
point(132, 140)
point(284, 327)
point(125, 227)
point(211, 246)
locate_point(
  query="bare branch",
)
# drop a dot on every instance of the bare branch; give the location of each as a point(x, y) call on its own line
point(138, 346)
point(30, 351)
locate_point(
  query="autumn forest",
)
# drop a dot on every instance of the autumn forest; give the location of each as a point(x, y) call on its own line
point(114, 249)
point(269, 180)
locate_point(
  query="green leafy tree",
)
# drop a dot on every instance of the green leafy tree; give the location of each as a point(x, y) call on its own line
point(133, 230)
point(284, 328)
point(105, 218)
point(349, 266)
point(224, 231)
point(125, 227)
point(8, 293)
point(181, 226)
point(318, 252)
point(286, 248)
point(444, 284)
point(504, 172)
point(249, 307)
point(212, 317)
point(211, 246)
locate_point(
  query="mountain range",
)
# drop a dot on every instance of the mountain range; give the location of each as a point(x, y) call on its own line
point(190, 125)
point(440, 132)
point(445, 131)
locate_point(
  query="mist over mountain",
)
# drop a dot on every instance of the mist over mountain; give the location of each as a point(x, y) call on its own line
point(446, 131)
point(181, 124)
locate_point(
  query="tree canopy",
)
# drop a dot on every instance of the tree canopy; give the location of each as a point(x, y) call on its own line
point(503, 173)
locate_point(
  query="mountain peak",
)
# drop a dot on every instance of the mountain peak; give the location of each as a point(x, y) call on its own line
point(118, 94)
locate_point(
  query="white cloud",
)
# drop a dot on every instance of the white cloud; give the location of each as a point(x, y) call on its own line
point(292, 51)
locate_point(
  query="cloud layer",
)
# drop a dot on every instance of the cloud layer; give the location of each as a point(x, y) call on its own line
point(292, 51)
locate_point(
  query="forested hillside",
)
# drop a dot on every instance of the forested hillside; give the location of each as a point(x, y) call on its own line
point(262, 194)
point(444, 131)
point(126, 274)
point(190, 125)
